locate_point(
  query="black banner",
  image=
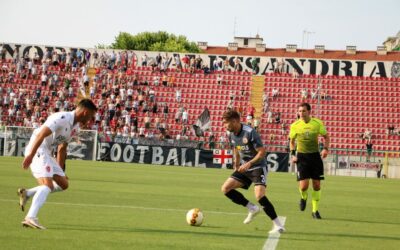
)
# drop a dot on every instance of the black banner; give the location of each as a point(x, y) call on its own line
point(117, 152)
point(76, 150)
point(1, 146)
point(15, 147)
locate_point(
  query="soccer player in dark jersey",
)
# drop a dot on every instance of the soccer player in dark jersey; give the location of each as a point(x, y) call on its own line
point(305, 132)
point(250, 167)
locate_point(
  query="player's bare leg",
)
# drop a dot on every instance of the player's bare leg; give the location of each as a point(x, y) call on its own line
point(229, 189)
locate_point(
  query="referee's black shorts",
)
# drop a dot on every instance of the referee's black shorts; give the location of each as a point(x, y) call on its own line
point(310, 166)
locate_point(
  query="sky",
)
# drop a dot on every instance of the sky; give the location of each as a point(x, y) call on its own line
point(86, 23)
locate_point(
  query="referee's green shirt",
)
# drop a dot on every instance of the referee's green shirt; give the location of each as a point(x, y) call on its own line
point(306, 134)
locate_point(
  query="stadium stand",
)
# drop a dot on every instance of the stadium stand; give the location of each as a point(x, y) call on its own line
point(348, 105)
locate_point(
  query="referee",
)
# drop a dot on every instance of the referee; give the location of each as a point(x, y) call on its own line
point(305, 132)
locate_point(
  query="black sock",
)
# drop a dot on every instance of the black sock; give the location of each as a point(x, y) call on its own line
point(237, 197)
point(268, 207)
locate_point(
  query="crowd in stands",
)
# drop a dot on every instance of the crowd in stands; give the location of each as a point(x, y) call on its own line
point(162, 97)
point(134, 101)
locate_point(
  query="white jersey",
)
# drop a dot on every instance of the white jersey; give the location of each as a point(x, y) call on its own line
point(62, 126)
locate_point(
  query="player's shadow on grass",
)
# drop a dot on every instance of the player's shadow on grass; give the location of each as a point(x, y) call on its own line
point(360, 221)
point(65, 227)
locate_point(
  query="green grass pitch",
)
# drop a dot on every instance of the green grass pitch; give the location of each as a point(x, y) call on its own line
point(130, 206)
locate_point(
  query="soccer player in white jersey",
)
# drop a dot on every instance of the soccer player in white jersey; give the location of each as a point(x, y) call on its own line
point(52, 136)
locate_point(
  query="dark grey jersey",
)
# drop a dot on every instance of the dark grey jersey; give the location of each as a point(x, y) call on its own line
point(246, 143)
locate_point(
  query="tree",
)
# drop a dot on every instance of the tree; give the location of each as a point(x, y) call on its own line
point(102, 46)
point(154, 41)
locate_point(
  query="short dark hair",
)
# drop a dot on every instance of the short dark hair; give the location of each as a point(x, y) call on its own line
point(88, 104)
point(305, 105)
point(231, 115)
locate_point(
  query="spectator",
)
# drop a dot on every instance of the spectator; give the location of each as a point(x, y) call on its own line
point(379, 169)
point(144, 61)
point(178, 116)
point(281, 66)
point(226, 64)
point(159, 60)
point(250, 111)
point(367, 135)
point(265, 97)
point(147, 121)
point(43, 79)
point(254, 65)
point(278, 118)
point(269, 116)
point(142, 132)
point(164, 80)
point(154, 109)
point(165, 111)
point(390, 130)
point(219, 79)
point(185, 116)
point(152, 95)
point(304, 94)
point(215, 65)
point(171, 81)
point(314, 94)
point(199, 62)
point(157, 123)
point(249, 119)
point(206, 70)
point(211, 141)
point(323, 95)
point(156, 80)
point(256, 124)
point(369, 150)
point(295, 74)
point(222, 141)
point(237, 67)
point(275, 93)
point(276, 67)
point(178, 95)
point(283, 128)
point(186, 61)
point(271, 137)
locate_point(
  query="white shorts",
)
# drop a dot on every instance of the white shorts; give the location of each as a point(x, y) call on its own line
point(44, 165)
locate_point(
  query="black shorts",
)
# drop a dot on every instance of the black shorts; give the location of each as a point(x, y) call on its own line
point(257, 176)
point(310, 166)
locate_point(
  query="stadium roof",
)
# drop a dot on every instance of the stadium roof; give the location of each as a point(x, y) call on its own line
point(305, 53)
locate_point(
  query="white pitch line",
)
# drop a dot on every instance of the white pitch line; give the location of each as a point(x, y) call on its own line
point(129, 207)
point(273, 239)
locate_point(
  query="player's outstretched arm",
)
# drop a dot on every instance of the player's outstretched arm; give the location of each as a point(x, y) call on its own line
point(43, 133)
point(325, 151)
point(62, 155)
point(293, 151)
point(236, 163)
